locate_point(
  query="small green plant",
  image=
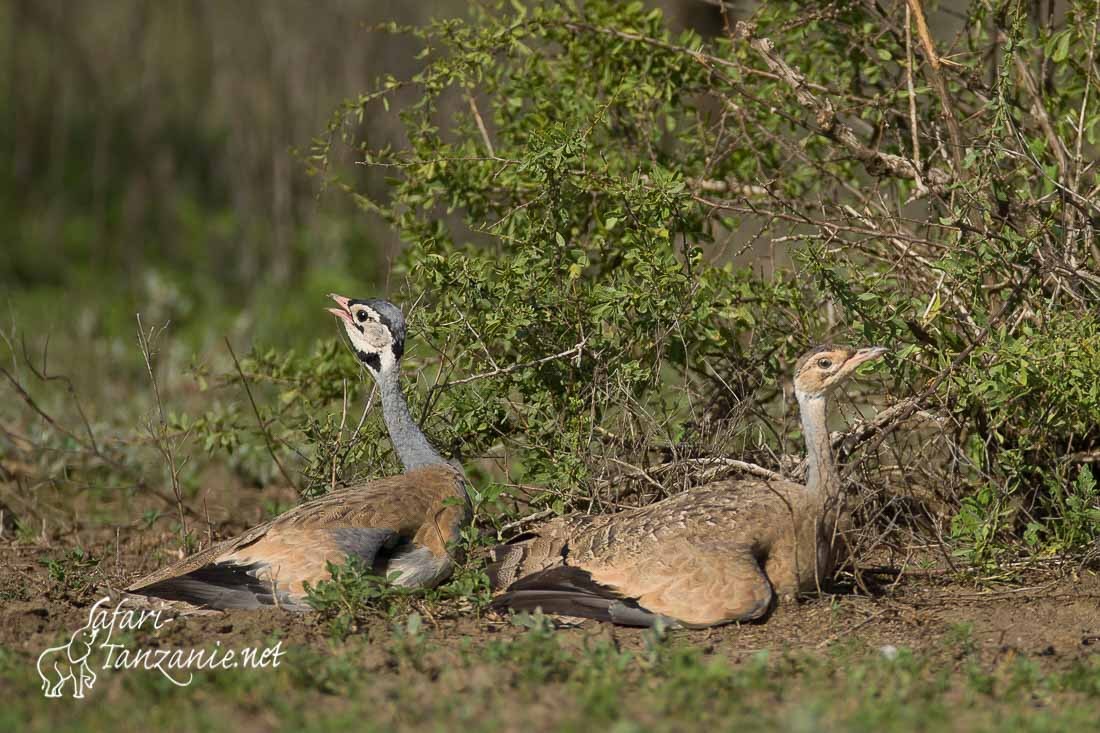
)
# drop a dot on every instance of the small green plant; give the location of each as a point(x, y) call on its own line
point(536, 654)
point(409, 640)
point(1077, 509)
point(353, 595)
point(71, 571)
point(959, 640)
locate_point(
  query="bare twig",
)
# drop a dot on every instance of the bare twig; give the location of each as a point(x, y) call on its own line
point(710, 185)
point(45, 376)
point(914, 128)
point(721, 462)
point(1039, 111)
point(366, 411)
point(705, 59)
point(1086, 456)
point(533, 517)
point(576, 351)
point(25, 396)
point(847, 632)
point(339, 435)
point(934, 64)
point(159, 434)
point(480, 125)
point(829, 125)
point(641, 473)
point(1077, 159)
point(259, 419)
point(733, 187)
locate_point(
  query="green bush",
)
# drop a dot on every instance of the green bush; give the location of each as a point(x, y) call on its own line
point(581, 186)
point(618, 240)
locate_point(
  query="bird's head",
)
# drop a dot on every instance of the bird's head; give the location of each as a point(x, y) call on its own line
point(821, 369)
point(376, 329)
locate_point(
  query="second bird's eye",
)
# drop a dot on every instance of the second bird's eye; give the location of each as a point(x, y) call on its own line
point(824, 363)
point(361, 316)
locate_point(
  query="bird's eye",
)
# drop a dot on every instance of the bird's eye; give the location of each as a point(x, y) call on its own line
point(824, 363)
point(361, 316)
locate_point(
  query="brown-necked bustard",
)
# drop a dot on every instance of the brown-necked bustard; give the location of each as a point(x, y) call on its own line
point(401, 526)
point(709, 556)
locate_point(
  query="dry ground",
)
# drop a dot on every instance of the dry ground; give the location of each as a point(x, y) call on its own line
point(1054, 615)
point(961, 642)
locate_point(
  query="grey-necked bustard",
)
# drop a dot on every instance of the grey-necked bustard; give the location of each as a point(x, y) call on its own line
point(709, 556)
point(401, 526)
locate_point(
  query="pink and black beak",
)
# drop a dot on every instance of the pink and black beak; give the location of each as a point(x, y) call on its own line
point(344, 311)
point(868, 354)
point(862, 356)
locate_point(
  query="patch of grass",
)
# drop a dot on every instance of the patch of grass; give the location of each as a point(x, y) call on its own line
point(354, 594)
point(70, 572)
point(536, 656)
point(411, 678)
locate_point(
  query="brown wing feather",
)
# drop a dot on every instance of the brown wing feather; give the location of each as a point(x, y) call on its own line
point(692, 557)
point(415, 505)
point(530, 554)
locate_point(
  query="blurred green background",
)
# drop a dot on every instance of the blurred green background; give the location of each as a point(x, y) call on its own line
point(155, 156)
point(151, 149)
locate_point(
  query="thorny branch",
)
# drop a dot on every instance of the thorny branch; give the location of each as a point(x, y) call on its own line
point(829, 124)
point(159, 433)
point(574, 352)
point(934, 65)
point(268, 441)
point(90, 446)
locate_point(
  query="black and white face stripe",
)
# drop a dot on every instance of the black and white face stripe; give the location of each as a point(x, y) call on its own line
point(390, 316)
point(376, 329)
point(373, 360)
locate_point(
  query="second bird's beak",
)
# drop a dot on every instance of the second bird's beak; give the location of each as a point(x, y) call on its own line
point(343, 311)
point(869, 354)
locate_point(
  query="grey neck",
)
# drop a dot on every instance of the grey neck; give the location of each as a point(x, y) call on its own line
point(822, 479)
point(408, 440)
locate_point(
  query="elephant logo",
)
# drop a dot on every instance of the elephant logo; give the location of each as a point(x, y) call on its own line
point(66, 669)
point(59, 665)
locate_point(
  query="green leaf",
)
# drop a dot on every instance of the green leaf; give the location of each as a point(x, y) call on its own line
point(1061, 47)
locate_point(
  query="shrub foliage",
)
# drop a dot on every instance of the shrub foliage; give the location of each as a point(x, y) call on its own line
point(620, 238)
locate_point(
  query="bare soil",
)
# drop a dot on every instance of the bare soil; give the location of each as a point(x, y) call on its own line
point(1050, 616)
point(1053, 613)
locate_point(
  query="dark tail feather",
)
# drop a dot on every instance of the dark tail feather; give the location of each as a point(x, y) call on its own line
point(623, 613)
point(570, 591)
point(218, 586)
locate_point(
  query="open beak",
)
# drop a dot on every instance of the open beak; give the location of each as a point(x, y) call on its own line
point(342, 311)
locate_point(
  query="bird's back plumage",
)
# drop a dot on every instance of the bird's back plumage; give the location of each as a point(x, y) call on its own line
point(417, 514)
point(703, 557)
